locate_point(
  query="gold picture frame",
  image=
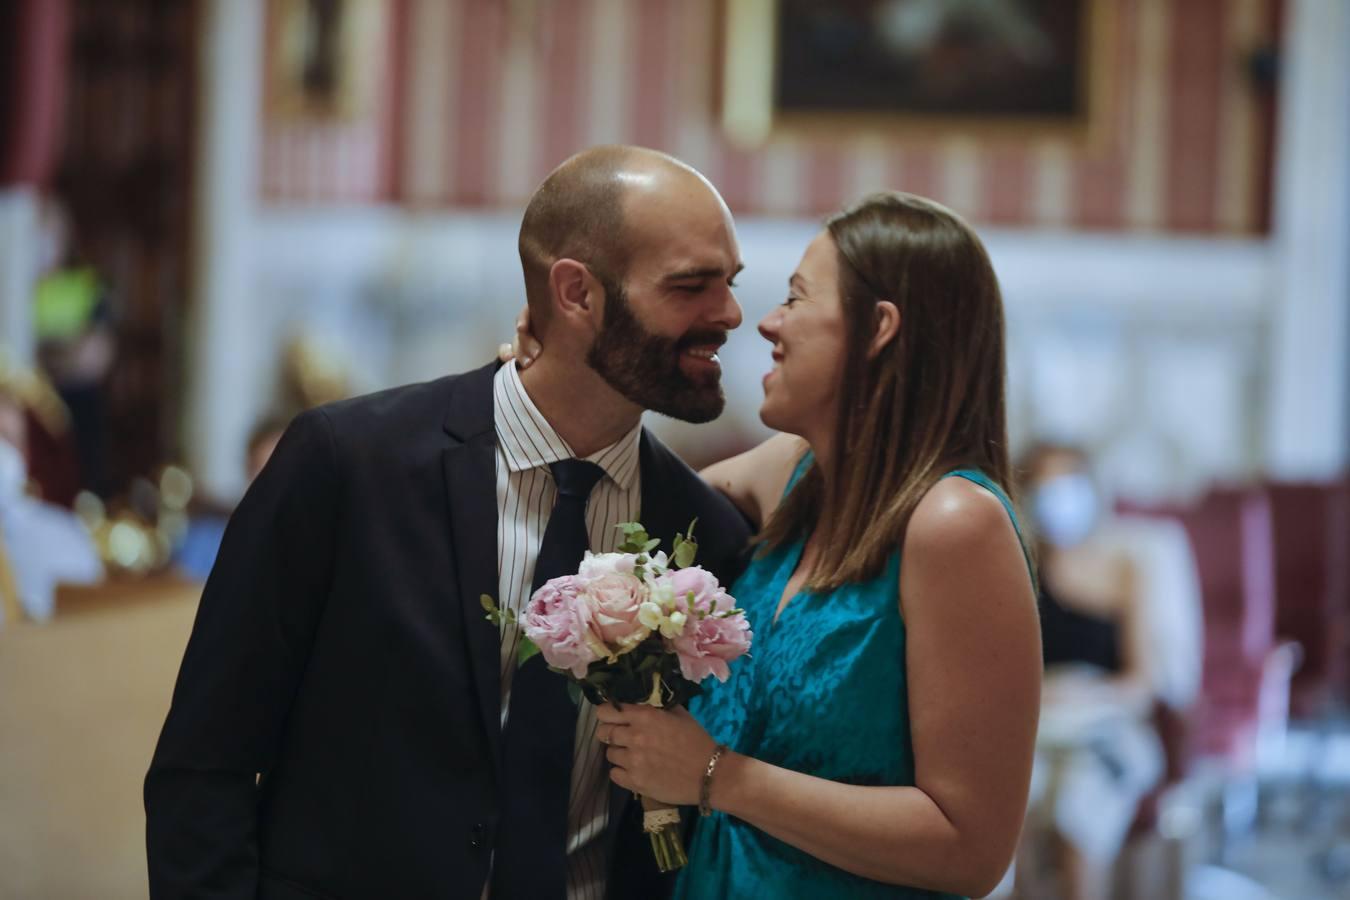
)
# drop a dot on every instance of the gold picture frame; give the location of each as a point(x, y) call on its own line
point(751, 110)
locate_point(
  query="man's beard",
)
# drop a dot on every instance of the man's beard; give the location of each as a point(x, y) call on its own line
point(645, 367)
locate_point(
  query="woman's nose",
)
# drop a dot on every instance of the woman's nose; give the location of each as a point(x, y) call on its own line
point(768, 326)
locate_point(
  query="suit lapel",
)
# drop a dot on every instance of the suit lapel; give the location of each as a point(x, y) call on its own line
point(663, 512)
point(470, 484)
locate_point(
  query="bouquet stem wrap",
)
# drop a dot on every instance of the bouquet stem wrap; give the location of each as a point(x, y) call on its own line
point(662, 824)
point(660, 820)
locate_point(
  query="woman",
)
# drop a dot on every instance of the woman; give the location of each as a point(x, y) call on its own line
point(879, 741)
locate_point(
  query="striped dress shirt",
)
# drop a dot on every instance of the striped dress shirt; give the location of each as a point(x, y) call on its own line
point(526, 444)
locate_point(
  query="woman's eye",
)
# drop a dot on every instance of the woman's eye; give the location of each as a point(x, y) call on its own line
point(789, 301)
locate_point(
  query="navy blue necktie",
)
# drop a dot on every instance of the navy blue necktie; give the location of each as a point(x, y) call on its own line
point(531, 853)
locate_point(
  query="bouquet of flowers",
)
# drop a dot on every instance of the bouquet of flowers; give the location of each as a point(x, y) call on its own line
point(636, 626)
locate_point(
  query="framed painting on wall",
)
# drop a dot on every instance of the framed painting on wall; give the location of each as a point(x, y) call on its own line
point(325, 58)
point(930, 65)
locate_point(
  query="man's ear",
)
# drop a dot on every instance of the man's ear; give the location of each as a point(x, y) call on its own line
point(888, 326)
point(572, 288)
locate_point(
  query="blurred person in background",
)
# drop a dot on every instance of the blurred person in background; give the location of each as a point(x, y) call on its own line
point(197, 553)
point(75, 337)
point(1119, 604)
point(42, 545)
point(879, 741)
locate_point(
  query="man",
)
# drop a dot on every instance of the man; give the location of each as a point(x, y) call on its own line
point(346, 722)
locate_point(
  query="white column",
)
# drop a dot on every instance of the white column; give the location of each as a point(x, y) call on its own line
point(224, 207)
point(1308, 422)
point(18, 273)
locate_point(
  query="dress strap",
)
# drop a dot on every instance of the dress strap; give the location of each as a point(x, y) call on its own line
point(802, 465)
point(992, 486)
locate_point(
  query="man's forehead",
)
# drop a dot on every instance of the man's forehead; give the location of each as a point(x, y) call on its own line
point(674, 240)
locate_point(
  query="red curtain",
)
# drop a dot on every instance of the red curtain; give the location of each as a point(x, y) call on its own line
point(33, 60)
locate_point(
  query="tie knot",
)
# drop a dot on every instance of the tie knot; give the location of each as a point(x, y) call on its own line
point(576, 477)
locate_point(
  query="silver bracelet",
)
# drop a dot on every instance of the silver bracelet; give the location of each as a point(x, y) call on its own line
point(705, 790)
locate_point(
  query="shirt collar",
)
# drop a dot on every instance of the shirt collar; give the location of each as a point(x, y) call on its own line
point(529, 442)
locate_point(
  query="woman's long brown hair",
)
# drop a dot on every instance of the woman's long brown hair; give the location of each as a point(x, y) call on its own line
point(931, 400)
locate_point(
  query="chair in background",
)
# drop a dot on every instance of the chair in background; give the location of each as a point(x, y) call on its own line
point(1311, 522)
point(1242, 711)
point(1312, 578)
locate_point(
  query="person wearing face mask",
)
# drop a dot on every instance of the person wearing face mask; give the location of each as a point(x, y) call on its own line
point(1098, 751)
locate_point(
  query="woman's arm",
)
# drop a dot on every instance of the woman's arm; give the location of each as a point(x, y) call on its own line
point(974, 666)
point(755, 480)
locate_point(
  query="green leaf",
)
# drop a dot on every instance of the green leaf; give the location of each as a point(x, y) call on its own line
point(527, 650)
point(651, 545)
point(685, 547)
point(488, 603)
point(635, 538)
point(574, 692)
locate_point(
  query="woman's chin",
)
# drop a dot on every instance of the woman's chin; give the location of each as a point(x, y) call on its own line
point(773, 417)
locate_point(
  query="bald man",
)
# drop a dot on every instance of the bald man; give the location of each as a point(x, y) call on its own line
point(346, 723)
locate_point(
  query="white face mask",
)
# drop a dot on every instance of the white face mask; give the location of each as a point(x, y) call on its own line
point(1066, 509)
point(13, 473)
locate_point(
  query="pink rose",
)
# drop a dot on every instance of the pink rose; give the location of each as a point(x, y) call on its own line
point(559, 622)
point(615, 601)
point(709, 643)
point(708, 594)
point(711, 637)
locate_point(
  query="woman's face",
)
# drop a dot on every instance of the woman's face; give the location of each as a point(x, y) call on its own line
point(809, 338)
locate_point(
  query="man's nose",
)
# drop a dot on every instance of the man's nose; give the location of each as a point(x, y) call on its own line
point(728, 314)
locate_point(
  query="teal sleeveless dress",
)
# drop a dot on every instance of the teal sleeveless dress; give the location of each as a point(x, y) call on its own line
point(807, 699)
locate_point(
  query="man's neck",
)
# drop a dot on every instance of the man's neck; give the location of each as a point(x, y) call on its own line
point(585, 411)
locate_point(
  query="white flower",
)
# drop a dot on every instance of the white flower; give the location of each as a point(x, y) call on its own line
point(598, 565)
point(662, 593)
point(673, 626)
point(651, 615)
point(669, 623)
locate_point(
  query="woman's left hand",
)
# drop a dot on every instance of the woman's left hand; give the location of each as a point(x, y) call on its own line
point(658, 753)
point(525, 347)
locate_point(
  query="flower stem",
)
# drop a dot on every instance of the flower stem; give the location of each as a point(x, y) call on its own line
point(668, 848)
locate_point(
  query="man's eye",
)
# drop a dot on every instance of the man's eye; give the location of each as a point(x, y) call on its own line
point(790, 300)
point(731, 282)
point(689, 288)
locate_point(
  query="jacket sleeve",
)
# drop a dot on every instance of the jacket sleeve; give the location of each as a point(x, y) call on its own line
point(248, 649)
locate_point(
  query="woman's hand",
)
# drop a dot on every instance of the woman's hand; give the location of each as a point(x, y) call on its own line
point(525, 348)
point(658, 753)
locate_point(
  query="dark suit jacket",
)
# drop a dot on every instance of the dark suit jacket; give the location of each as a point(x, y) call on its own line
point(335, 726)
